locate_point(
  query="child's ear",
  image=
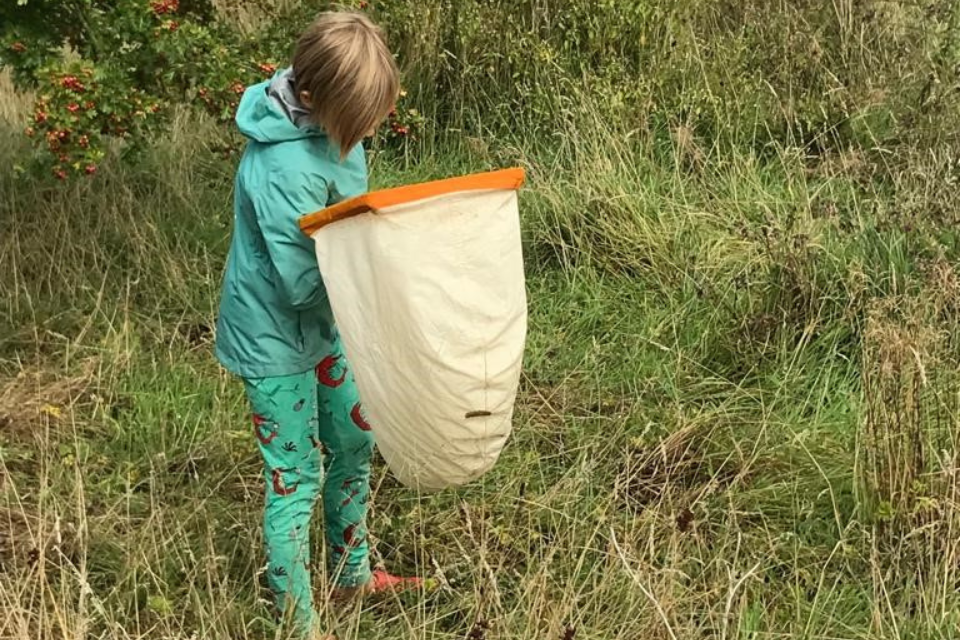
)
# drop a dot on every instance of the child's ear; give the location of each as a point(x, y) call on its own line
point(305, 99)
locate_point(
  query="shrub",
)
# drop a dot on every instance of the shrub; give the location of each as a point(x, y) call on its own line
point(110, 70)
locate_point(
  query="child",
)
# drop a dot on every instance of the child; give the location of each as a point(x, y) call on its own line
point(276, 329)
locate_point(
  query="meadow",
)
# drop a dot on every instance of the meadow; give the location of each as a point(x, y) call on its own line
point(739, 409)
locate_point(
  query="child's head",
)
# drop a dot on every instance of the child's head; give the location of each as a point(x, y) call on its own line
point(346, 76)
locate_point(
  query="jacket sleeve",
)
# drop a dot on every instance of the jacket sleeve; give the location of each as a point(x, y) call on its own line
point(291, 252)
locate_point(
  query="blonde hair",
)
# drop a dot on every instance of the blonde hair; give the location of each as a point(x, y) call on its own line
point(343, 63)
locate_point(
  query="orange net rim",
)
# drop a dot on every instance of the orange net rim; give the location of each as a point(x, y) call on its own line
point(383, 199)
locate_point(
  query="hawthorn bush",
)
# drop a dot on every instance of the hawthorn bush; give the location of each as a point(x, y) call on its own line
point(113, 70)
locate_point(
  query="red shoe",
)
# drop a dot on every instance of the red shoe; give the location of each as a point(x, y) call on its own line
point(383, 582)
point(380, 582)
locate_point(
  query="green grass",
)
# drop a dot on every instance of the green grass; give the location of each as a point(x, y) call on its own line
point(689, 455)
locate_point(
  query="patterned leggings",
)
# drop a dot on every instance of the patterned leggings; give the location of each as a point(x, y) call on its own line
point(308, 426)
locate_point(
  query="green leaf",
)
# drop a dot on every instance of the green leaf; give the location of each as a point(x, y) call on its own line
point(160, 605)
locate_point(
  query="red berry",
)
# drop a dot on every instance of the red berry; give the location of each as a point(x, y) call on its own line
point(18, 47)
point(90, 169)
point(73, 107)
point(237, 87)
point(84, 142)
point(64, 157)
point(89, 104)
point(40, 117)
point(29, 131)
point(71, 82)
point(163, 7)
point(267, 67)
point(60, 174)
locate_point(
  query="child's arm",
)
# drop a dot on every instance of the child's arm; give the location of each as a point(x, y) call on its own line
point(279, 207)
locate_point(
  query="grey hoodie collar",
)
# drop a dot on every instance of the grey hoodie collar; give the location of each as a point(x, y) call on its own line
point(283, 92)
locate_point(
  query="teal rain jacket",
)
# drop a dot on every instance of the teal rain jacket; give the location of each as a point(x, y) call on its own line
point(275, 318)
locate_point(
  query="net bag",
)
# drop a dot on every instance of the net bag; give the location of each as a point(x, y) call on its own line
point(426, 284)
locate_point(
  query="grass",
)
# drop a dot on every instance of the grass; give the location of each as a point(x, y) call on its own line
point(737, 418)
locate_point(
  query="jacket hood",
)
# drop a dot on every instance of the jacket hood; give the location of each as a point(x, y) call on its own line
point(270, 112)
